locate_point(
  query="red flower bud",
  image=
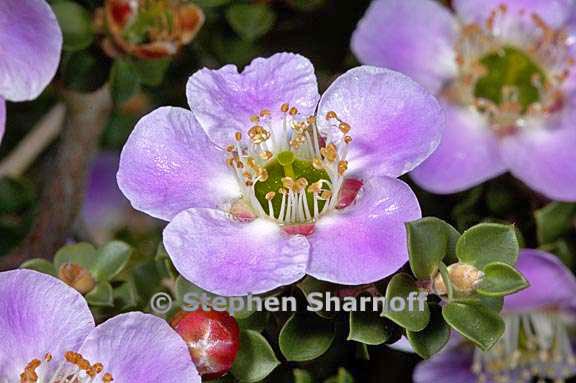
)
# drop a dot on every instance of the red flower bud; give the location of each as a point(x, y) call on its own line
point(213, 338)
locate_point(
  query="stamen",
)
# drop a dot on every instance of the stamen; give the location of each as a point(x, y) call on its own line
point(74, 368)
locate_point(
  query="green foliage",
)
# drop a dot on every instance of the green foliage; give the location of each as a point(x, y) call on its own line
point(486, 243)
point(305, 337)
point(255, 360)
point(501, 279)
point(402, 286)
point(554, 220)
point(433, 338)
point(251, 21)
point(369, 327)
point(76, 25)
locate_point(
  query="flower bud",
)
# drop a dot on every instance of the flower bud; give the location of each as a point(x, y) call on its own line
point(213, 338)
point(77, 277)
point(464, 277)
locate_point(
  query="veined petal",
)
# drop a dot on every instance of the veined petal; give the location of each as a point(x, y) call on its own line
point(551, 284)
point(396, 123)
point(137, 347)
point(39, 314)
point(223, 100)
point(543, 155)
point(415, 37)
point(365, 242)
point(31, 43)
point(234, 258)
point(169, 165)
point(467, 156)
point(554, 12)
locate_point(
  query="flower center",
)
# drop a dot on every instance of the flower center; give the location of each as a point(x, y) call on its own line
point(511, 68)
point(533, 346)
point(73, 369)
point(510, 76)
point(287, 170)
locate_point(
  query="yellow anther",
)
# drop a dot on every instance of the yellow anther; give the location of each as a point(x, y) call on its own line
point(347, 139)
point(230, 148)
point(262, 174)
point(330, 115)
point(301, 184)
point(239, 164)
point(48, 357)
point(270, 196)
point(230, 161)
point(247, 175)
point(342, 167)
point(238, 136)
point(282, 191)
point(284, 108)
point(258, 134)
point(293, 111)
point(317, 163)
point(265, 113)
point(266, 155)
point(255, 119)
point(288, 183)
point(344, 127)
point(326, 194)
point(329, 152)
point(107, 378)
point(315, 187)
point(311, 120)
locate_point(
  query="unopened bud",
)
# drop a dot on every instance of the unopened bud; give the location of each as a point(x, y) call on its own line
point(464, 278)
point(77, 277)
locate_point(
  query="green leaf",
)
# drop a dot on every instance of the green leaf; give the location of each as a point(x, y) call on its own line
point(305, 337)
point(251, 21)
point(475, 322)
point(401, 288)
point(342, 377)
point(76, 25)
point(110, 260)
point(126, 295)
point(124, 81)
point(486, 243)
point(257, 322)
point(151, 72)
point(427, 245)
point(82, 254)
point(302, 376)
point(255, 360)
point(307, 5)
point(433, 338)
point(101, 295)
point(211, 3)
point(501, 279)
point(554, 220)
point(310, 285)
point(41, 265)
point(369, 328)
point(447, 281)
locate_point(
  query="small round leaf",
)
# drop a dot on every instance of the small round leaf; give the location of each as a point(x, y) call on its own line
point(255, 360)
point(305, 337)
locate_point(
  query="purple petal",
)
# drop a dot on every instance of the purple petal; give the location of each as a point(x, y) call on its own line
point(554, 12)
point(137, 347)
point(367, 241)
point(415, 37)
point(234, 258)
point(104, 205)
point(467, 156)
point(551, 283)
point(169, 165)
point(543, 156)
point(30, 45)
point(452, 365)
point(224, 100)
point(396, 124)
point(39, 314)
point(2, 117)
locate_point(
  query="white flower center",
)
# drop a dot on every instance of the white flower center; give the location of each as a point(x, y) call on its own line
point(73, 369)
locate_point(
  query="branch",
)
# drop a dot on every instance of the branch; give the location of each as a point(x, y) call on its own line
point(41, 136)
point(63, 193)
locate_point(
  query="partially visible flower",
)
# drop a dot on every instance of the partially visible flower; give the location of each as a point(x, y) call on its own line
point(47, 334)
point(150, 29)
point(537, 341)
point(504, 70)
point(257, 185)
point(213, 338)
point(30, 45)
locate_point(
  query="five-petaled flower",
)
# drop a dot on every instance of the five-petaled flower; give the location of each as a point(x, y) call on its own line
point(47, 334)
point(504, 70)
point(263, 181)
point(30, 44)
point(536, 343)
